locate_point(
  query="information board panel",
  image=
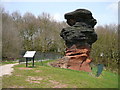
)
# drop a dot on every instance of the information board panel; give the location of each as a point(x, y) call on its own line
point(29, 54)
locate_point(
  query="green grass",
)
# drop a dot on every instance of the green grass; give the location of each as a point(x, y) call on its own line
point(44, 76)
point(7, 62)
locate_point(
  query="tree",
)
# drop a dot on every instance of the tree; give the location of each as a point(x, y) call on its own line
point(10, 37)
point(28, 31)
point(107, 44)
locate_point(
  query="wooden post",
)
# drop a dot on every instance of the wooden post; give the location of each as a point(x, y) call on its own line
point(33, 61)
point(26, 62)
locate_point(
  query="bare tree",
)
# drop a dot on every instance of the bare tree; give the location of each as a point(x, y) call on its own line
point(10, 37)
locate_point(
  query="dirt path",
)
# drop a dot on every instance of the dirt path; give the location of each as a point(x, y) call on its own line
point(6, 69)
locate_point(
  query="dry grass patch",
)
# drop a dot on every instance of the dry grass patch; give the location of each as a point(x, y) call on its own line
point(36, 79)
point(57, 84)
point(38, 71)
point(16, 87)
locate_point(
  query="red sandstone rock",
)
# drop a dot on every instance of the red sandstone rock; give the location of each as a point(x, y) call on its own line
point(75, 59)
point(79, 59)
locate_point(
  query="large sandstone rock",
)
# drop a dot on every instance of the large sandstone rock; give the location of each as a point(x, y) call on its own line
point(79, 38)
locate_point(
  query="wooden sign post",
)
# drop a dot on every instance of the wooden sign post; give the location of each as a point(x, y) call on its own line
point(29, 55)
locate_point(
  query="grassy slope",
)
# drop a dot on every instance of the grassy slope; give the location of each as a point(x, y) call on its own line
point(50, 77)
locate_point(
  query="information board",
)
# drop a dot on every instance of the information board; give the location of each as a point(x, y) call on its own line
point(29, 54)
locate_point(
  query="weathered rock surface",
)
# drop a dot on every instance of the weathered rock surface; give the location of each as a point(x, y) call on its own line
point(79, 38)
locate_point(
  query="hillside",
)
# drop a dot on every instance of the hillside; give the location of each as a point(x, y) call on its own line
point(43, 76)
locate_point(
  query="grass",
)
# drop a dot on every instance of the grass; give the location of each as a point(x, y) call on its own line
point(8, 62)
point(44, 76)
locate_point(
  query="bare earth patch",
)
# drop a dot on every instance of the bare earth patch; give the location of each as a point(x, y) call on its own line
point(25, 68)
point(34, 79)
point(60, 86)
point(16, 87)
point(38, 71)
point(57, 84)
point(53, 82)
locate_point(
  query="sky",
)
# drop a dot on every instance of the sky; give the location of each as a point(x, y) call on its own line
point(105, 12)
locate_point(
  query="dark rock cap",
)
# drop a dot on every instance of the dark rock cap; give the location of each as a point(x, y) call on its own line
point(79, 13)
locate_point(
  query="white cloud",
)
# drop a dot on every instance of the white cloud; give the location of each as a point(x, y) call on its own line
point(113, 6)
point(57, 17)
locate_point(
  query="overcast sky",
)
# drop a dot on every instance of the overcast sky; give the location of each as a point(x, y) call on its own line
point(105, 12)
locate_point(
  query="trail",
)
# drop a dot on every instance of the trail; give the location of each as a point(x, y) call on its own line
point(6, 69)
